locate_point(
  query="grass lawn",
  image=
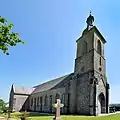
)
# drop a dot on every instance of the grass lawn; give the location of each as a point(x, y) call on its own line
point(70, 117)
point(66, 117)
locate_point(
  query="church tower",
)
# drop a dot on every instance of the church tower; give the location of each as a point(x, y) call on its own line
point(92, 91)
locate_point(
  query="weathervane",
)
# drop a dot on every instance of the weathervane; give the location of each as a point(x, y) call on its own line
point(90, 12)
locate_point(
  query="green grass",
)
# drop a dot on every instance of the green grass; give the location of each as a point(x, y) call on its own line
point(65, 117)
point(70, 117)
point(13, 115)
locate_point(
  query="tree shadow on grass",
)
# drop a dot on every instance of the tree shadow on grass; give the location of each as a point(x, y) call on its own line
point(39, 114)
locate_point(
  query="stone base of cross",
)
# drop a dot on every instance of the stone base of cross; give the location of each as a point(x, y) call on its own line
point(58, 105)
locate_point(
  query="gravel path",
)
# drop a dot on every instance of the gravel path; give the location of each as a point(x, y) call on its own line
point(2, 118)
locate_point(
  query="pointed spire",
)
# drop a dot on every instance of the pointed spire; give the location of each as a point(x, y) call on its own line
point(12, 86)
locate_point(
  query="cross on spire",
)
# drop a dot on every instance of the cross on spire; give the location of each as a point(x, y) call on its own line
point(90, 12)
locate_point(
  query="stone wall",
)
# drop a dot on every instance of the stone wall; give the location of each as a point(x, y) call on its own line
point(83, 94)
point(101, 88)
point(40, 106)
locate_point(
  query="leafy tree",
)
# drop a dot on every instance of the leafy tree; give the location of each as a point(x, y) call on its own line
point(7, 37)
point(3, 106)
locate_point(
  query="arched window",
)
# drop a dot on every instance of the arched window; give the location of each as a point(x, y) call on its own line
point(99, 49)
point(50, 103)
point(34, 104)
point(68, 102)
point(46, 100)
point(14, 101)
point(57, 97)
point(63, 98)
point(38, 101)
point(100, 61)
point(31, 101)
point(41, 102)
point(63, 102)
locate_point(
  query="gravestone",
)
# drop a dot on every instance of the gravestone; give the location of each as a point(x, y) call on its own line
point(58, 105)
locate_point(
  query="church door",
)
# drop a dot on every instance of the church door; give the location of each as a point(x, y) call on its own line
point(101, 103)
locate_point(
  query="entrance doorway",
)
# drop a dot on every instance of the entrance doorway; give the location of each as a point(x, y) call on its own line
point(101, 103)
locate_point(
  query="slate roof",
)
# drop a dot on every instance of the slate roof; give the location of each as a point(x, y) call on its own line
point(96, 30)
point(23, 90)
point(50, 84)
point(102, 38)
point(39, 88)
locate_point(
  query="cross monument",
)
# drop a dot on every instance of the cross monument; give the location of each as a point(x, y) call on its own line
point(58, 105)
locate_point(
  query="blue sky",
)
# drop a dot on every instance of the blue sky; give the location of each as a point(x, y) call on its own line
point(50, 29)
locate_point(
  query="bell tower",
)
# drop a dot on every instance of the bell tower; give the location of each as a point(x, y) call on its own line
point(90, 69)
point(85, 48)
point(90, 50)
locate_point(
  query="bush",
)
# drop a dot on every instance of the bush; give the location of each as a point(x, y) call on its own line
point(24, 116)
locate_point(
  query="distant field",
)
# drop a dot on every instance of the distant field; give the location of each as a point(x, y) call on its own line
point(66, 117)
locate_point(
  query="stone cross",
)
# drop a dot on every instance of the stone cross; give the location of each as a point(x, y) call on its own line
point(58, 105)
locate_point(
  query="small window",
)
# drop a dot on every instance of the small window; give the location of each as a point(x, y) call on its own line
point(31, 101)
point(100, 69)
point(63, 98)
point(35, 102)
point(100, 62)
point(46, 100)
point(14, 101)
point(57, 97)
point(99, 47)
point(85, 47)
point(50, 101)
point(38, 101)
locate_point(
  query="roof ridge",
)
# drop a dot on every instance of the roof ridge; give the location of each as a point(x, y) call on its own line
point(50, 84)
point(51, 80)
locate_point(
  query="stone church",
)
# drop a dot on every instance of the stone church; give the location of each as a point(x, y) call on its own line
point(85, 91)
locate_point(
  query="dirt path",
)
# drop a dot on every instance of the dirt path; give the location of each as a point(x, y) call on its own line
point(2, 118)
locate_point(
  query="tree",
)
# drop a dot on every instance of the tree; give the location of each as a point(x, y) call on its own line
point(7, 37)
point(3, 107)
